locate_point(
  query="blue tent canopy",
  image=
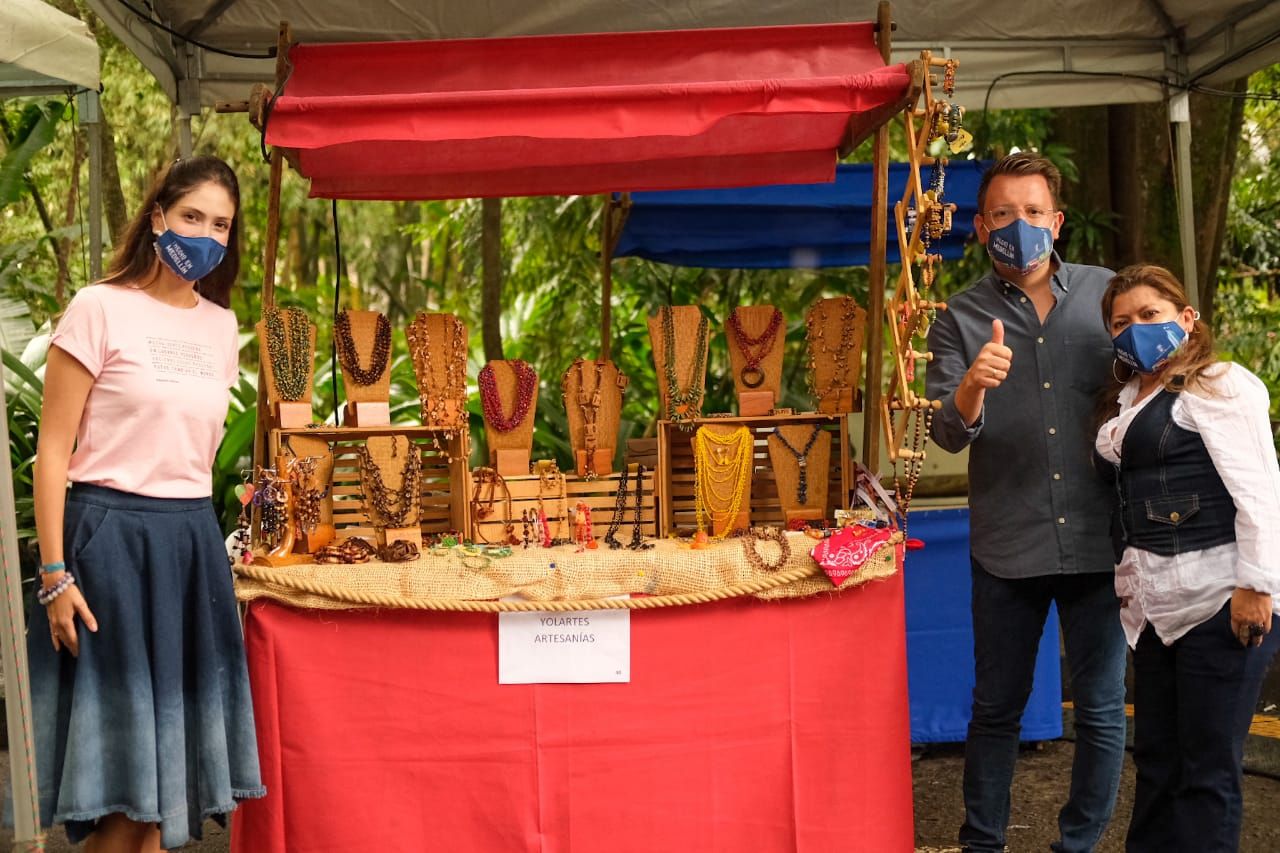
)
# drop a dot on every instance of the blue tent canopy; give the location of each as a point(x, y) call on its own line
point(790, 225)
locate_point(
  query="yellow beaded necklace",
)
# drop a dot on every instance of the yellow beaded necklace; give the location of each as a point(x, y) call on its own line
point(722, 476)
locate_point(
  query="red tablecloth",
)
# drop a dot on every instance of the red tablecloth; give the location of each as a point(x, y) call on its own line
point(747, 726)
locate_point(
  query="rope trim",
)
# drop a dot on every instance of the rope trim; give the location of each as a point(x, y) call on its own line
point(274, 577)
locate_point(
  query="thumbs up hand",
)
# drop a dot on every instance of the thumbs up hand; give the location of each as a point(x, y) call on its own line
point(991, 367)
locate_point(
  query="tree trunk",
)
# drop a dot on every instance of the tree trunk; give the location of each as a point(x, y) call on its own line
point(491, 295)
point(78, 144)
point(1216, 124)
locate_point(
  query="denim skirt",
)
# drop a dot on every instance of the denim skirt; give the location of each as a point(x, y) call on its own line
point(154, 718)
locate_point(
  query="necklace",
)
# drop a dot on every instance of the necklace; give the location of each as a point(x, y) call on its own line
point(589, 402)
point(526, 383)
point(802, 459)
point(754, 349)
point(913, 466)
point(289, 348)
point(451, 365)
point(722, 476)
point(583, 535)
point(765, 534)
point(349, 356)
point(637, 542)
point(482, 508)
point(619, 510)
point(549, 477)
point(816, 328)
point(400, 510)
point(687, 404)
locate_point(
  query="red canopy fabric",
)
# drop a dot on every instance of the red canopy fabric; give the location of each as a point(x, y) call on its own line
point(569, 114)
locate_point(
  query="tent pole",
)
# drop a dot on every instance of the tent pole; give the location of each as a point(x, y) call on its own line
point(879, 237)
point(89, 108)
point(1180, 118)
point(22, 768)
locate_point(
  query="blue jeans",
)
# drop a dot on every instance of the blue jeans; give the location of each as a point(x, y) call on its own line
point(1193, 702)
point(1008, 619)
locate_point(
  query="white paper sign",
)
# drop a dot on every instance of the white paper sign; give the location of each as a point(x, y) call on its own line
point(582, 647)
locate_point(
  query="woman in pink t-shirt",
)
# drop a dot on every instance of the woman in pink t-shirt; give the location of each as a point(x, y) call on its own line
point(140, 693)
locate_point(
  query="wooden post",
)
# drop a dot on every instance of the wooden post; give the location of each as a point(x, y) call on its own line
point(879, 233)
point(606, 279)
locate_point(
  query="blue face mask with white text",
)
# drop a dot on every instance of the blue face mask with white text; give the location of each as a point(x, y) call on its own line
point(1021, 245)
point(1146, 347)
point(192, 258)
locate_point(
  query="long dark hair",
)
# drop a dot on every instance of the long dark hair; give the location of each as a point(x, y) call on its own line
point(1186, 367)
point(135, 260)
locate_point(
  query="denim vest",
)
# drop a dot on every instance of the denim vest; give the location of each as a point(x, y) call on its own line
point(1171, 497)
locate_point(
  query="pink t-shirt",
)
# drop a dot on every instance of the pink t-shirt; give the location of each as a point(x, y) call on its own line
point(162, 378)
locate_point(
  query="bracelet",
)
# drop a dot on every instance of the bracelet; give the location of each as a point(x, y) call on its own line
point(46, 595)
point(50, 568)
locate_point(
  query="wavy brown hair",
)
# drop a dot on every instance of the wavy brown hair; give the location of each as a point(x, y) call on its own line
point(1186, 368)
point(136, 264)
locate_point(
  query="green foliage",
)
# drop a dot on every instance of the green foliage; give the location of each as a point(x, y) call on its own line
point(35, 128)
point(23, 392)
point(1247, 321)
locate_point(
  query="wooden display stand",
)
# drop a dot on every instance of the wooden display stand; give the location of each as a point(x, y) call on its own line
point(836, 390)
point(600, 494)
point(304, 446)
point(589, 385)
point(283, 554)
point(786, 471)
point(754, 320)
point(367, 405)
point(287, 413)
point(446, 481)
point(387, 453)
point(509, 452)
point(685, 319)
point(448, 339)
point(722, 524)
point(676, 472)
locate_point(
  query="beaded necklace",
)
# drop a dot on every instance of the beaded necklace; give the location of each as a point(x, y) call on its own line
point(684, 405)
point(765, 534)
point(722, 475)
point(637, 542)
point(754, 349)
point(802, 459)
point(526, 383)
point(619, 510)
point(435, 396)
point(289, 348)
point(391, 511)
point(349, 356)
point(549, 477)
point(815, 327)
point(482, 508)
point(589, 403)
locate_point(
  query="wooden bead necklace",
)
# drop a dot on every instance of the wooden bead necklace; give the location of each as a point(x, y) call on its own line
point(289, 349)
point(815, 328)
point(388, 511)
point(765, 534)
point(722, 476)
point(637, 542)
point(482, 506)
point(802, 460)
point(619, 510)
point(435, 396)
point(526, 386)
point(549, 477)
point(683, 406)
point(350, 357)
point(755, 349)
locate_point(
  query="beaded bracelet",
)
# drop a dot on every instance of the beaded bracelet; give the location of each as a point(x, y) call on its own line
point(46, 595)
point(50, 568)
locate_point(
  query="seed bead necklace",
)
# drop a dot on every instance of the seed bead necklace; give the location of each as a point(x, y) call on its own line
point(816, 327)
point(637, 535)
point(482, 507)
point(289, 349)
point(391, 512)
point(434, 396)
point(683, 406)
point(350, 357)
point(526, 384)
point(802, 459)
point(754, 350)
point(765, 534)
point(724, 461)
point(619, 510)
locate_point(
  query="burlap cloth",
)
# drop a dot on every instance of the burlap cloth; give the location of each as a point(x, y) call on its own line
point(555, 578)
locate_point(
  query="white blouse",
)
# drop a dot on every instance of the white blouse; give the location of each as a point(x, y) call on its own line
point(1177, 593)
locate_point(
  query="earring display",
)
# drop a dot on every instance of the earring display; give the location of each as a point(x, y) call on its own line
point(593, 393)
point(723, 462)
point(834, 330)
point(438, 349)
point(679, 336)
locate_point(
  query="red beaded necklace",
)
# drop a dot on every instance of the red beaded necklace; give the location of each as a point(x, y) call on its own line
point(526, 384)
point(754, 349)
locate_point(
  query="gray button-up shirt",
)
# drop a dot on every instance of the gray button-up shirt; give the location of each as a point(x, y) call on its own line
point(1037, 503)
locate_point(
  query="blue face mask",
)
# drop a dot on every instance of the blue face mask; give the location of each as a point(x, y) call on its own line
point(192, 258)
point(1021, 245)
point(1147, 346)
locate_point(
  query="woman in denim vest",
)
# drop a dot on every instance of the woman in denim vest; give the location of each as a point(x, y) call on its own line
point(1199, 494)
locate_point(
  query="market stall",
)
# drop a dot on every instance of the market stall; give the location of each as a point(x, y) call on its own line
point(375, 515)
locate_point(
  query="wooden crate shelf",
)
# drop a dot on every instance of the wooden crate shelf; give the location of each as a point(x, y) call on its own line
point(600, 494)
point(444, 489)
point(676, 506)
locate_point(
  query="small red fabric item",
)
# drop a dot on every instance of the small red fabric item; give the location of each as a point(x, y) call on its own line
point(844, 552)
point(576, 114)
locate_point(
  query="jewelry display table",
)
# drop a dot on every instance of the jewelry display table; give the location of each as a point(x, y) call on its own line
point(747, 725)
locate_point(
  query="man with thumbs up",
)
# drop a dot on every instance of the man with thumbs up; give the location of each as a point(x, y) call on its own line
point(1018, 360)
